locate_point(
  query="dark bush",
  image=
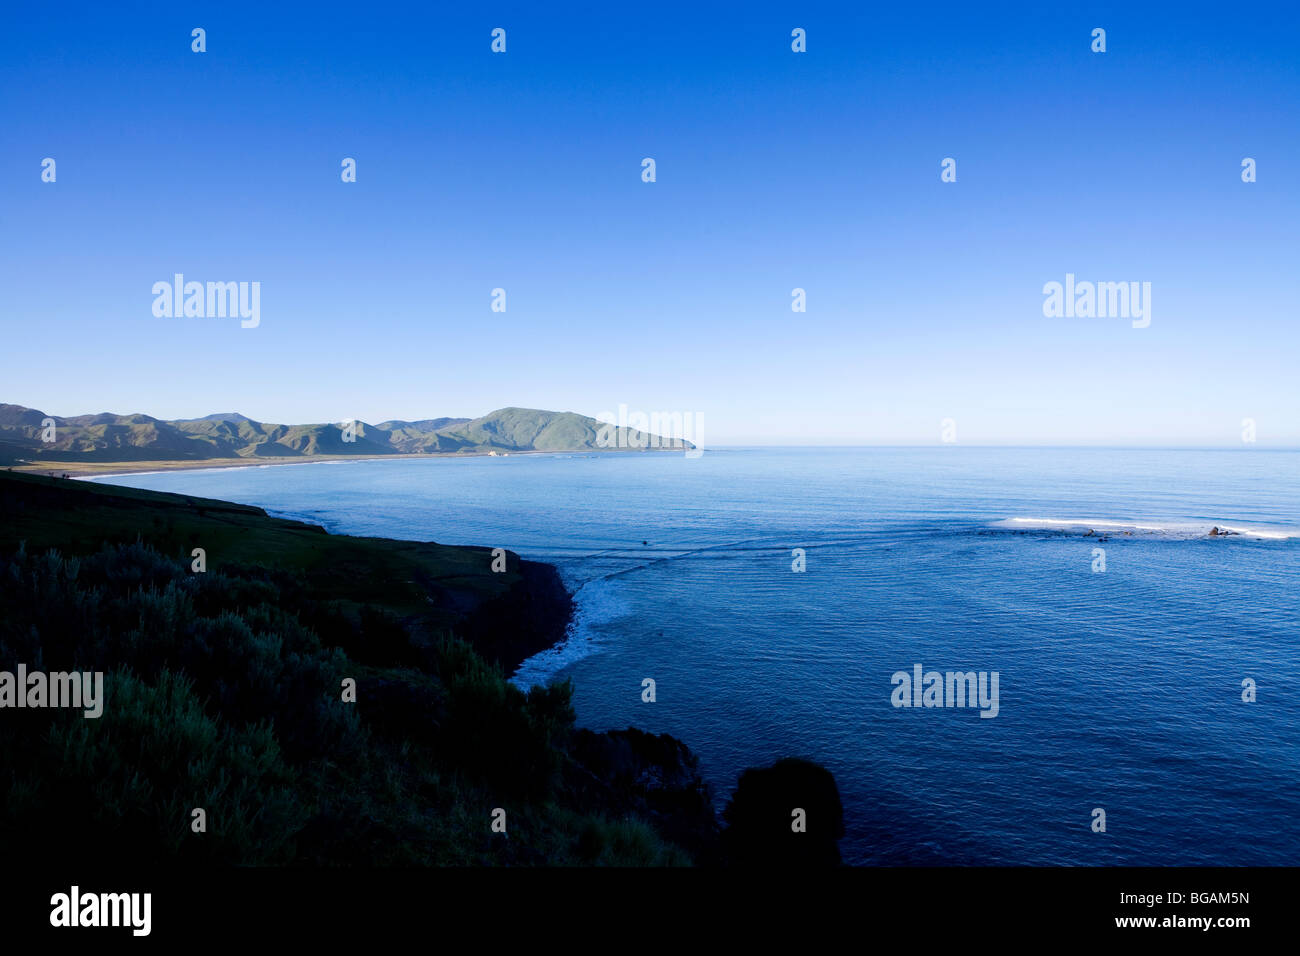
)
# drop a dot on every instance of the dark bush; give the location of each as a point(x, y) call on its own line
point(760, 816)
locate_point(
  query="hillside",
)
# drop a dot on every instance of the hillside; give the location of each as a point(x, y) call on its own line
point(429, 588)
point(225, 688)
point(106, 437)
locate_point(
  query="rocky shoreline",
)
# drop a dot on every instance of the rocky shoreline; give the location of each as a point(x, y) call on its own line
point(213, 614)
point(532, 616)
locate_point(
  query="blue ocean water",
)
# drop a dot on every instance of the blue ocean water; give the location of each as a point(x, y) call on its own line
point(1118, 689)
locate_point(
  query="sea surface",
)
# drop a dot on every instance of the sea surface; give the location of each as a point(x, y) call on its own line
point(1119, 689)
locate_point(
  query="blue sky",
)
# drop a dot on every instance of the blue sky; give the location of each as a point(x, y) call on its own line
point(775, 170)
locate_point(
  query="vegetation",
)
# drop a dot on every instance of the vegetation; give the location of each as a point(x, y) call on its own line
point(220, 697)
point(141, 438)
point(420, 587)
point(224, 692)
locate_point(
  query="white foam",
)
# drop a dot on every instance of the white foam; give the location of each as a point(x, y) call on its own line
point(1180, 529)
point(213, 469)
point(1276, 534)
point(116, 474)
point(1095, 523)
point(596, 603)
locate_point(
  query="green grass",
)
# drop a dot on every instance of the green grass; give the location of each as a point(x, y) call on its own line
point(399, 577)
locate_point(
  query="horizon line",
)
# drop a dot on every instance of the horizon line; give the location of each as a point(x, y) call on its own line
point(1133, 445)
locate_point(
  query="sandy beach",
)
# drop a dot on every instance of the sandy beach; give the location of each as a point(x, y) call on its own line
point(109, 469)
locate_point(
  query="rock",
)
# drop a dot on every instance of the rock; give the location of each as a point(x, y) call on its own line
point(652, 776)
point(532, 616)
point(760, 817)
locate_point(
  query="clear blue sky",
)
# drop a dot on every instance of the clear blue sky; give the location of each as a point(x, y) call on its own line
point(775, 170)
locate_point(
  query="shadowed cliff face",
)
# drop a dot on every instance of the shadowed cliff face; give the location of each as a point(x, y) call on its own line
point(655, 777)
point(532, 615)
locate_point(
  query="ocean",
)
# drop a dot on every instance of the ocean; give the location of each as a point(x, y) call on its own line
point(1121, 632)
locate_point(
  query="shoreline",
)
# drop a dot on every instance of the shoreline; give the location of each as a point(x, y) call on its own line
point(82, 470)
point(376, 613)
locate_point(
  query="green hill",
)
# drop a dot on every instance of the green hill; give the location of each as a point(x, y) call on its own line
point(106, 437)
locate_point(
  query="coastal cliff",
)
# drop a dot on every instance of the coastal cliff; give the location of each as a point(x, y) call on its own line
point(418, 587)
point(322, 699)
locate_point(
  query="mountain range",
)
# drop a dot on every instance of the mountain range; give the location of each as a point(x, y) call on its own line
point(111, 438)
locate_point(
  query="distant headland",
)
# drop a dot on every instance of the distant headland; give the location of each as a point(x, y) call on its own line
point(87, 444)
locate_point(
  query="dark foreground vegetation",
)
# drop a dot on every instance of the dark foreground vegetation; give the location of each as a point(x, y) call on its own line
point(224, 691)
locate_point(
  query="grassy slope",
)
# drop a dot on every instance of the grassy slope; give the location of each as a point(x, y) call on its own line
point(430, 587)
